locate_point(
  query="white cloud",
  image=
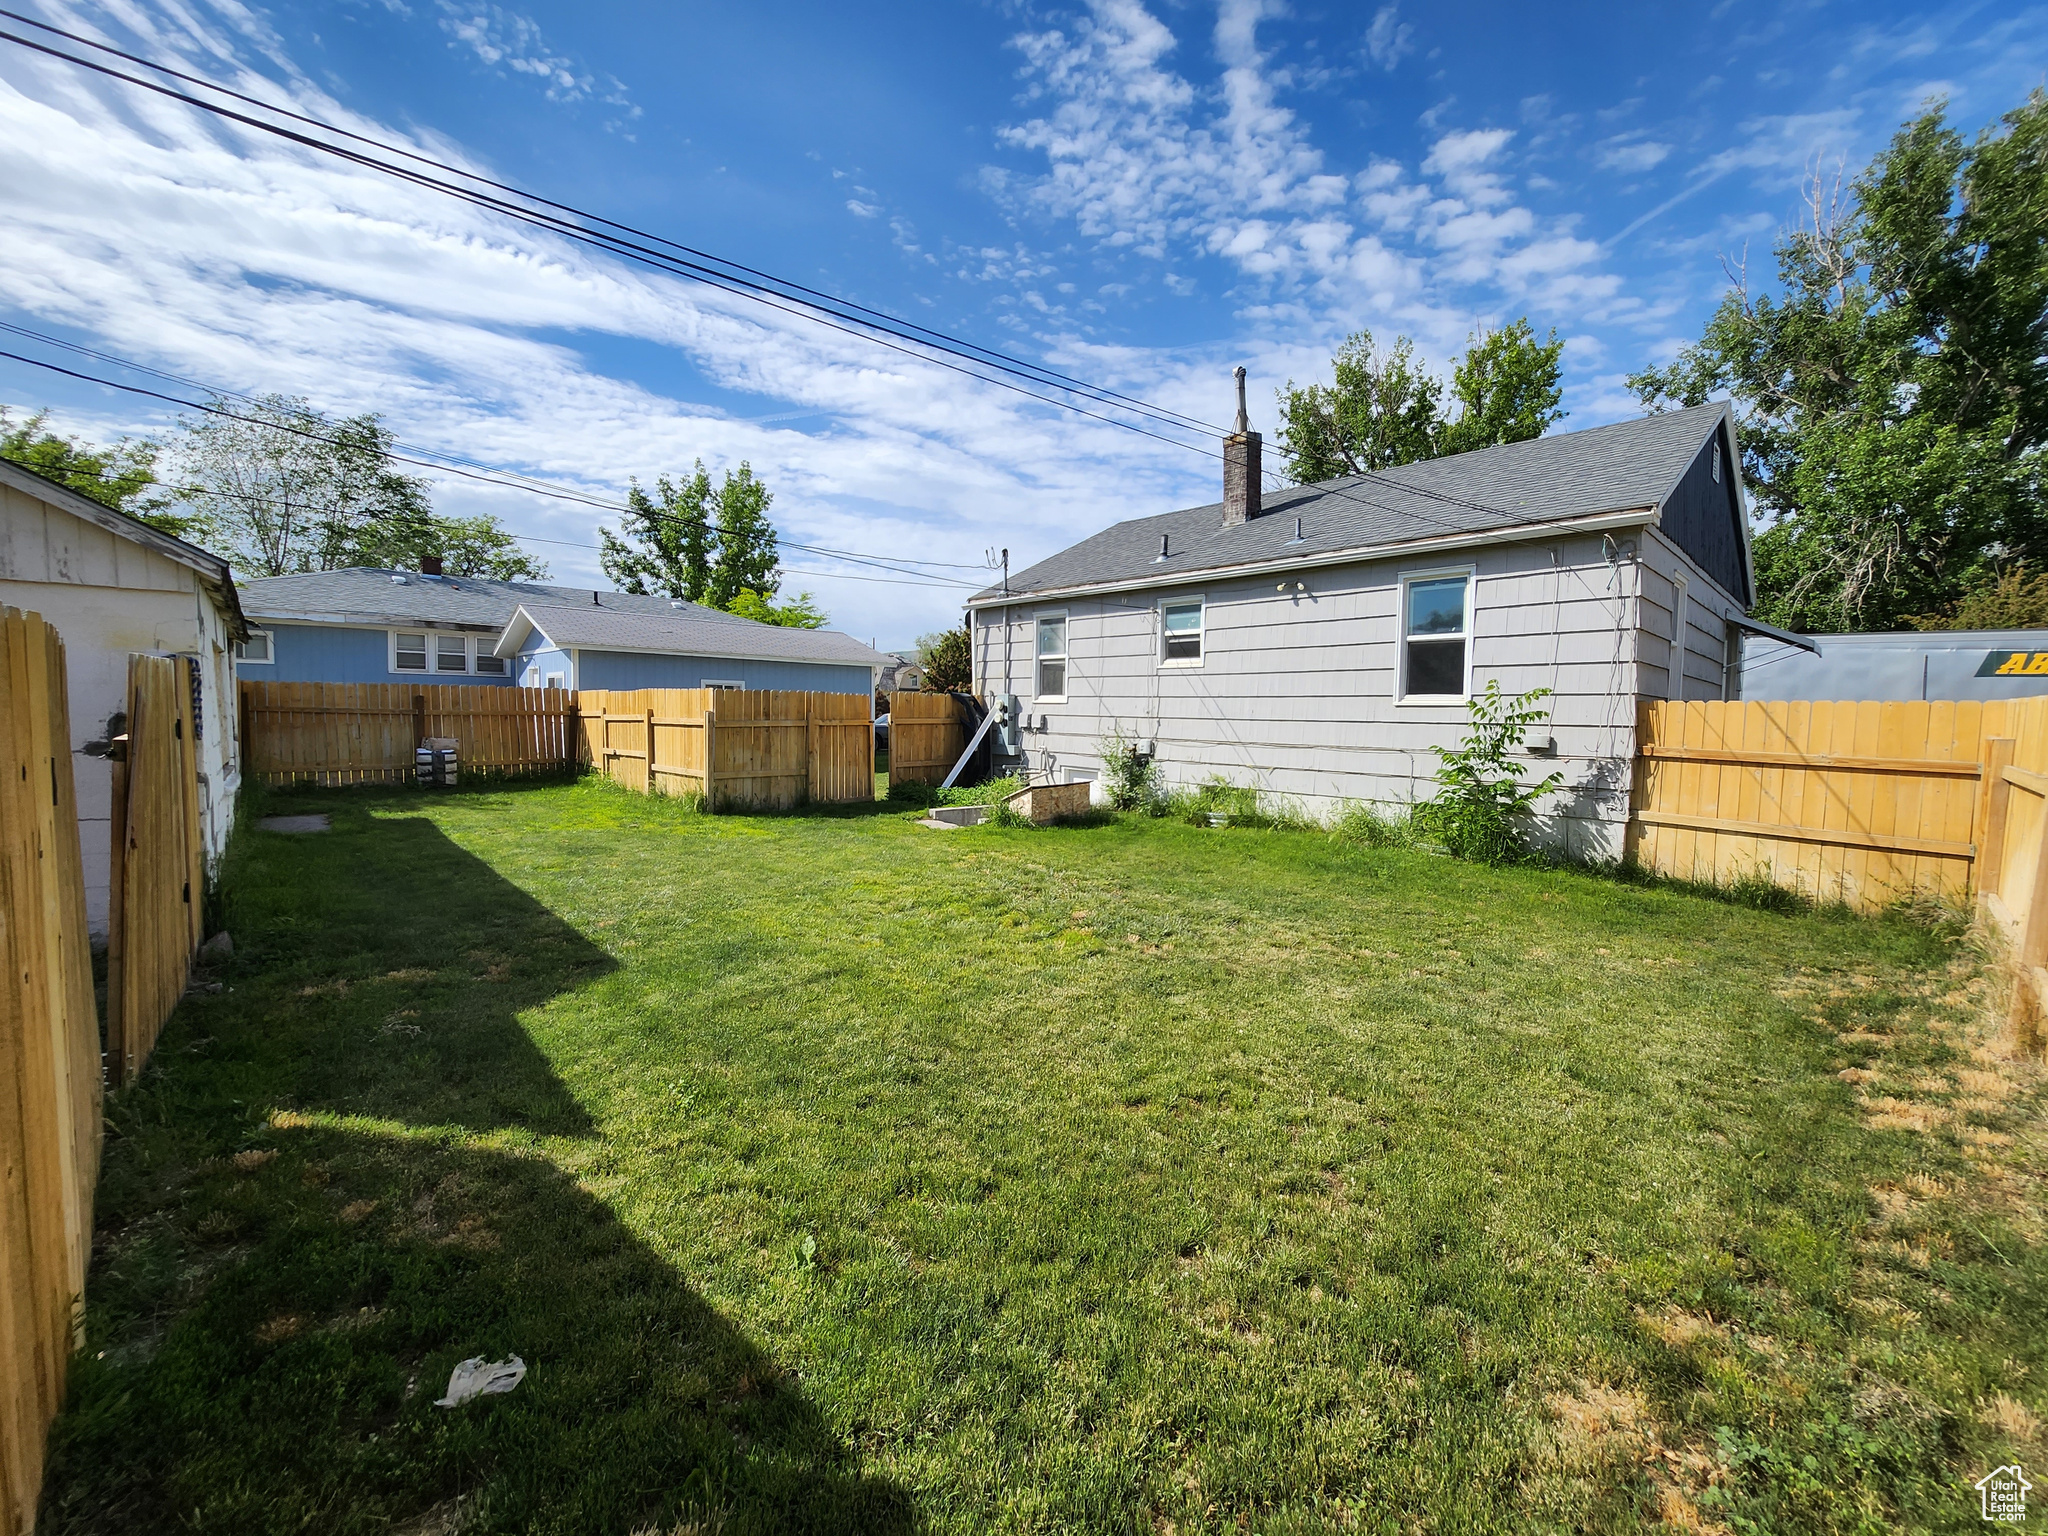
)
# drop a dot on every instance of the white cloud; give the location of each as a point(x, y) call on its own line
point(1389, 39)
point(862, 210)
point(506, 39)
point(1629, 155)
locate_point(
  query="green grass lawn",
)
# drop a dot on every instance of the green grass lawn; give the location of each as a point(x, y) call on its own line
point(834, 1174)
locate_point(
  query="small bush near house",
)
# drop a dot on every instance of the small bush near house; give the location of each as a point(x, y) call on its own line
point(1133, 777)
point(1484, 809)
point(1240, 805)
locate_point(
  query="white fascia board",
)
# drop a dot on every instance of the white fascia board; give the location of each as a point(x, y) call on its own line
point(517, 628)
point(1599, 522)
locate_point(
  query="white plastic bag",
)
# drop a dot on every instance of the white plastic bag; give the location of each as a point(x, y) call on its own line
point(476, 1376)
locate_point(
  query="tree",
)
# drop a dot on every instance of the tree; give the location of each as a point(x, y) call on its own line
point(1507, 389)
point(747, 549)
point(282, 487)
point(480, 546)
point(121, 476)
point(1893, 395)
point(1384, 408)
point(1380, 411)
point(947, 659)
point(668, 539)
point(801, 612)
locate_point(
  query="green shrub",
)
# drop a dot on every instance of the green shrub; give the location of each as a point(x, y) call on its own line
point(1376, 826)
point(1133, 777)
point(980, 794)
point(1241, 804)
point(1483, 810)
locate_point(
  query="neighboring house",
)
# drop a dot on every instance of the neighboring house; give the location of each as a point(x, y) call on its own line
point(1319, 641)
point(678, 645)
point(900, 674)
point(113, 585)
point(1932, 664)
point(386, 626)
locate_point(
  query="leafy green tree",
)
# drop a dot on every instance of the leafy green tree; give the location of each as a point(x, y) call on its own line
point(748, 555)
point(480, 546)
point(800, 612)
point(121, 475)
point(1483, 810)
point(1893, 395)
point(668, 539)
point(1380, 411)
point(1507, 389)
point(947, 659)
point(1384, 408)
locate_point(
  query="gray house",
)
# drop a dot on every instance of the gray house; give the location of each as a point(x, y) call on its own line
point(1317, 641)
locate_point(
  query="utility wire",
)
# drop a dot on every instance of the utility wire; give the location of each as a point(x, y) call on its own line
point(895, 323)
point(485, 478)
point(512, 478)
point(726, 282)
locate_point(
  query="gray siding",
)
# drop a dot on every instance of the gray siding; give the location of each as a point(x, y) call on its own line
point(1295, 692)
point(1707, 608)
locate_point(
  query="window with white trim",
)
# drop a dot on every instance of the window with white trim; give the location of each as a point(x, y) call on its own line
point(255, 651)
point(1051, 656)
point(488, 665)
point(408, 652)
point(1436, 632)
point(451, 653)
point(721, 682)
point(1180, 630)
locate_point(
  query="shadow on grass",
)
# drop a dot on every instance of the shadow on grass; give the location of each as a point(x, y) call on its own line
point(338, 1284)
point(279, 1290)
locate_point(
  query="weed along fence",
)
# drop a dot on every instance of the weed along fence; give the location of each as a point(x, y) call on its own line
point(752, 749)
point(366, 733)
point(157, 882)
point(927, 734)
point(49, 1059)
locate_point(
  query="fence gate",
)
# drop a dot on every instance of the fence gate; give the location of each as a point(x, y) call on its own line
point(49, 1059)
point(927, 734)
point(741, 749)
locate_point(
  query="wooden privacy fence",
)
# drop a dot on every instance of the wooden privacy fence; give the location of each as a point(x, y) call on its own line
point(49, 1059)
point(927, 734)
point(754, 749)
point(366, 733)
point(1859, 802)
point(157, 879)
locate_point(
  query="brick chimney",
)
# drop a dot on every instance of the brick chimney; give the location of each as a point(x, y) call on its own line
point(1241, 468)
point(430, 565)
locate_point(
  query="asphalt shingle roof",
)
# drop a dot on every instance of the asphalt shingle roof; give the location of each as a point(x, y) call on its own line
point(693, 631)
point(370, 594)
point(1613, 468)
point(567, 615)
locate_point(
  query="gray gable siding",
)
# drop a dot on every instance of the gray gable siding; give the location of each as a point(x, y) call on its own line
point(1703, 517)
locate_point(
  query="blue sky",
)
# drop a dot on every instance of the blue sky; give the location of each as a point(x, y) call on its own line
point(1142, 195)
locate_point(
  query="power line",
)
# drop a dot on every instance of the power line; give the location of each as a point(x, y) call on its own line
point(889, 321)
point(485, 478)
point(816, 311)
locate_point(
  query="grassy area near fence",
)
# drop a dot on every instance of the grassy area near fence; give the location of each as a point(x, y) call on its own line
point(834, 1174)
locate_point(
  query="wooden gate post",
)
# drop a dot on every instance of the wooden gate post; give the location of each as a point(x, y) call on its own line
point(1996, 796)
point(419, 719)
point(650, 749)
point(710, 758)
point(811, 761)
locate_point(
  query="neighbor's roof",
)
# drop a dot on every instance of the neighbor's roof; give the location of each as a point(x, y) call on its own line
point(690, 631)
point(367, 594)
point(1513, 489)
point(213, 573)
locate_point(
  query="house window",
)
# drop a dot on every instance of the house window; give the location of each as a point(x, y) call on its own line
point(255, 651)
point(557, 680)
point(451, 653)
point(1436, 611)
point(1052, 656)
point(488, 665)
point(408, 653)
point(719, 682)
point(1180, 630)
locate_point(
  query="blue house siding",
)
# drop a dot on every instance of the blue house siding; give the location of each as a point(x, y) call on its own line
point(337, 653)
point(622, 669)
point(537, 660)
